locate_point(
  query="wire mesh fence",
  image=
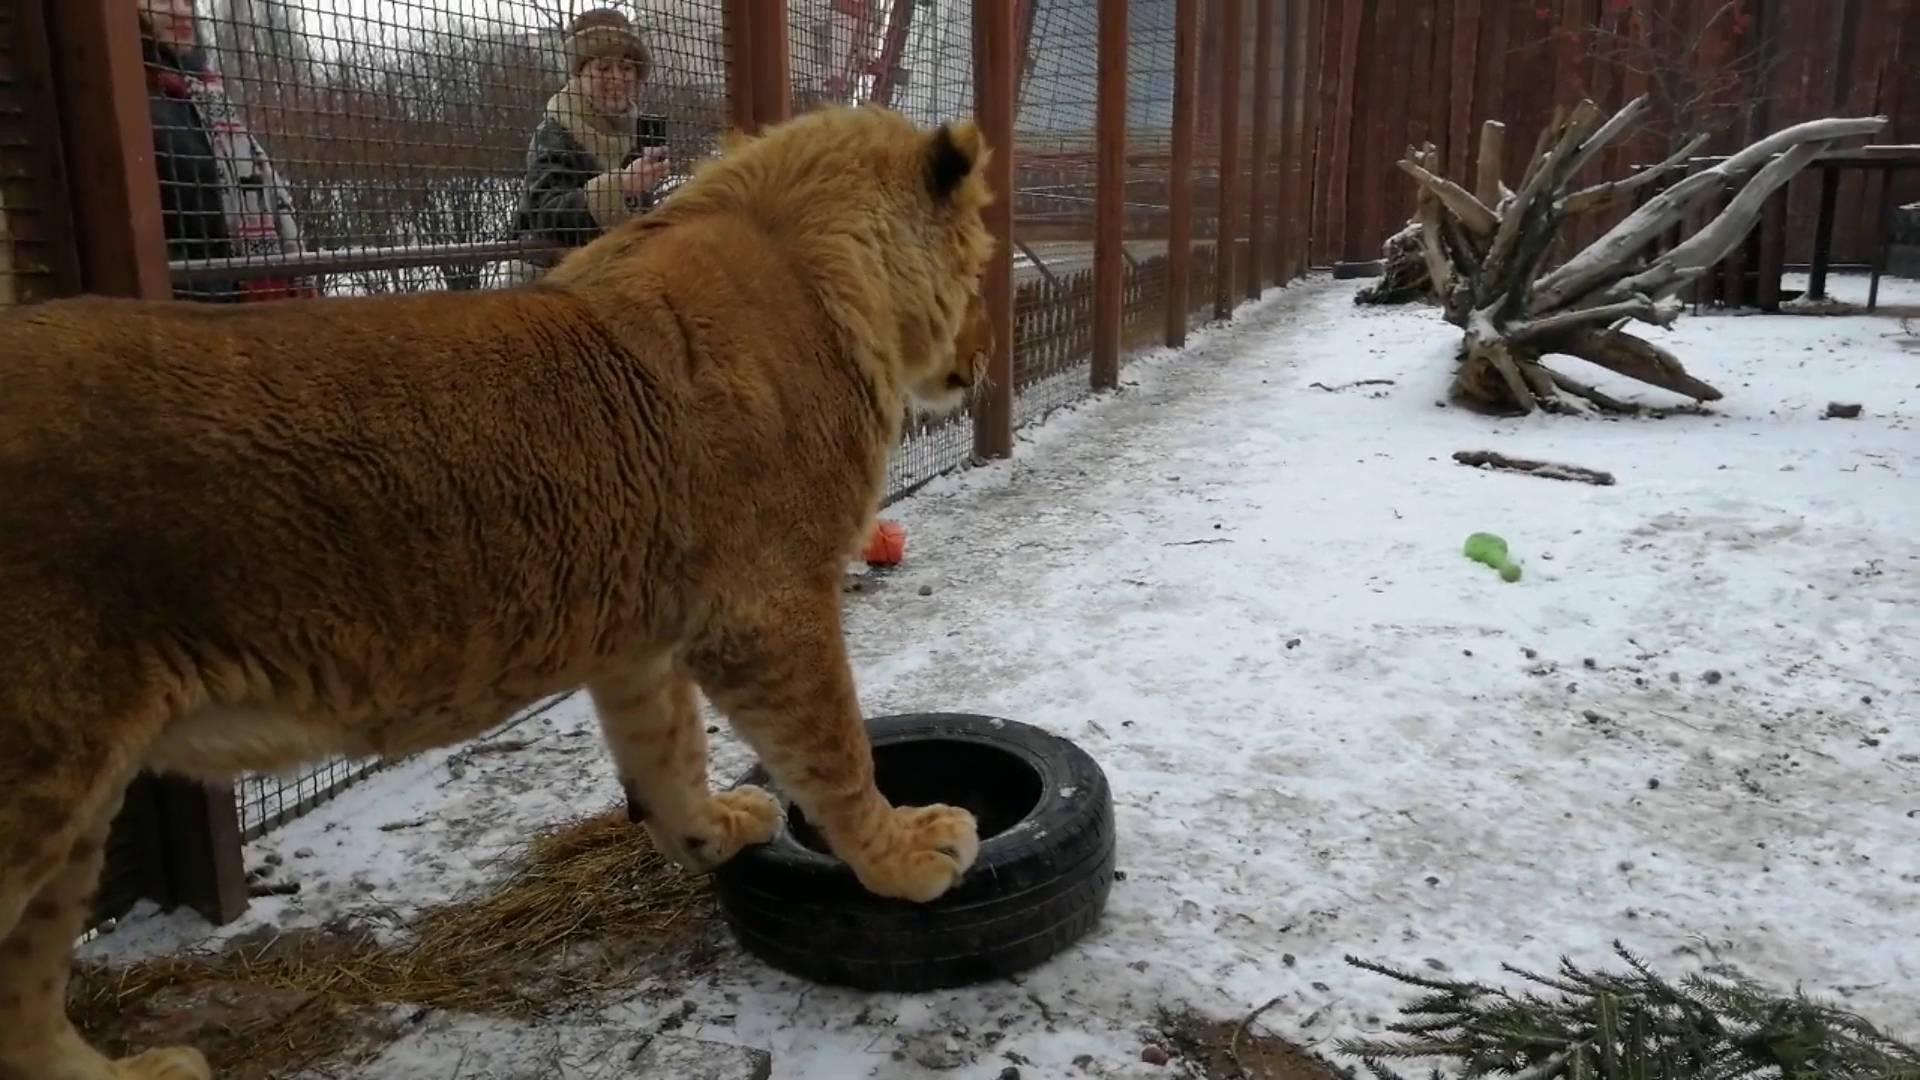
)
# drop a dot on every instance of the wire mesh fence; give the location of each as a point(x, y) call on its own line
point(919, 60)
point(1054, 173)
point(405, 145)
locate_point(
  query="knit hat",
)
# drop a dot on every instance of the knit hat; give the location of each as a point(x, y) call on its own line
point(604, 32)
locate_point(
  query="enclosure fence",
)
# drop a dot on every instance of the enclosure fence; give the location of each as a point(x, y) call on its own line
point(1166, 159)
point(1153, 165)
point(1402, 73)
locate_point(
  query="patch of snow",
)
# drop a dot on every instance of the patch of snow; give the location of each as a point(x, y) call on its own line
point(1690, 726)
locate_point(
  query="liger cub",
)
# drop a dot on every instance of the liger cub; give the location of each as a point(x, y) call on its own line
point(242, 537)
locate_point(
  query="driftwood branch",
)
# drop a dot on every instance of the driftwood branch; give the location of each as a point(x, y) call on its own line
point(1621, 243)
point(1636, 358)
point(1470, 212)
point(1613, 192)
point(1493, 459)
point(1486, 254)
point(1608, 132)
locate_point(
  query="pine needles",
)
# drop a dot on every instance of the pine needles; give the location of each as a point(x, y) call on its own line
point(1630, 1025)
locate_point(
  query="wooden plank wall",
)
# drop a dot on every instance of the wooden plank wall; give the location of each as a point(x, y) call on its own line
point(1391, 73)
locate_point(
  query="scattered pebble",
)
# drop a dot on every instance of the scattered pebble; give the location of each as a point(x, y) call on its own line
point(1713, 678)
point(1842, 411)
point(1588, 663)
point(1154, 1055)
point(926, 590)
point(1653, 783)
point(303, 853)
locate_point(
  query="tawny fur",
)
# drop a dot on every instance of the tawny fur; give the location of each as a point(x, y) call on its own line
point(245, 537)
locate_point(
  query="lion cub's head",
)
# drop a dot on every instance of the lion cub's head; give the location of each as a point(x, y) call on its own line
point(884, 219)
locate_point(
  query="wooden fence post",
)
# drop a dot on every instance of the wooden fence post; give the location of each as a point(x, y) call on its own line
point(100, 80)
point(1312, 131)
point(1286, 147)
point(1230, 38)
point(1186, 64)
point(1257, 169)
point(772, 73)
point(100, 88)
point(1109, 193)
point(994, 86)
point(737, 18)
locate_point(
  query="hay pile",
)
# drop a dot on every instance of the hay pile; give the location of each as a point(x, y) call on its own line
point(590, 903)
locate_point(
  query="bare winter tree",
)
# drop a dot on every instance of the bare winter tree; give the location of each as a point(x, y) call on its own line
point(1702, 78)
point(261, 43)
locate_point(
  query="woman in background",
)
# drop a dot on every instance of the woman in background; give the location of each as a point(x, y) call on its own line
point(595, 159)
point(219, 195)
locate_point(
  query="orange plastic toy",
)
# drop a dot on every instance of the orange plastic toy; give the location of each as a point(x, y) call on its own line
point(886, 544)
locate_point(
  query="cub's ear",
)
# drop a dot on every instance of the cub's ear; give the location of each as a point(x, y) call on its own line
point(953, 152)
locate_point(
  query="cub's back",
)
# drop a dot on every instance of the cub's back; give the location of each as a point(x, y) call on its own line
point(428, 468)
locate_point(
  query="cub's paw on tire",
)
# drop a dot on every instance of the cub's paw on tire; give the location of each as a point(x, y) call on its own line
point(1038, 884)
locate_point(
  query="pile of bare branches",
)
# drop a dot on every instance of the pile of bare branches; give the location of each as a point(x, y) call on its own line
point(1486, 254)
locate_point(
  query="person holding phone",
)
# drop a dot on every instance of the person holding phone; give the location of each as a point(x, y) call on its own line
point(595, 158)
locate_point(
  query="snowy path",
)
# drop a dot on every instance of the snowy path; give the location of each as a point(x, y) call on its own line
point(1691, 725)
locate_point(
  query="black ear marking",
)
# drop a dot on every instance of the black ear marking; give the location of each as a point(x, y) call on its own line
point(947, 163)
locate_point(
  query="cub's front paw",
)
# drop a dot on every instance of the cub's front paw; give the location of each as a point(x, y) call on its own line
point(730, 821)
point(923, 852)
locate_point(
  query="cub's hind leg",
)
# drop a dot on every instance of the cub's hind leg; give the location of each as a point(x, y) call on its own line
point(36, 957)
point(650, 716)
point(779, 671)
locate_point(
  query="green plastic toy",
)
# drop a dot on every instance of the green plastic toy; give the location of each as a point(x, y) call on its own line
point(1491, 550)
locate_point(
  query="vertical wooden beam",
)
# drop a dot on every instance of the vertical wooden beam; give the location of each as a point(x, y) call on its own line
point(1186, 66)
point(52, 245)
point(1109, 193)
point(100, 82)
point(737, 19)
point(898, 23)
point(1257, 170)
point(1881, 239)
point(200, 829)
point(1232, 33)
point(1773, 250)
point(1439, 73)
point(1823, 233)
point(1464, 76)
point(772, 69)
point(1339, 124)
point(1313, 135)
point(995, 82)
point(1286, 141)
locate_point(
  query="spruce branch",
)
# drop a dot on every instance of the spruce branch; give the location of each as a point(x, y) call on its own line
point(1632, 1024)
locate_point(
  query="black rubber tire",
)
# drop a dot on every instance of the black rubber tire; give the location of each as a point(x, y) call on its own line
point(1037, 887)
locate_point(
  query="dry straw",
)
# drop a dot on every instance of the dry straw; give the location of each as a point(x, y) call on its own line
point(590, 905)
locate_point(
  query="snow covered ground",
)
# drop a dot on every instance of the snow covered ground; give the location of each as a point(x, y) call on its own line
point(1691, 725)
